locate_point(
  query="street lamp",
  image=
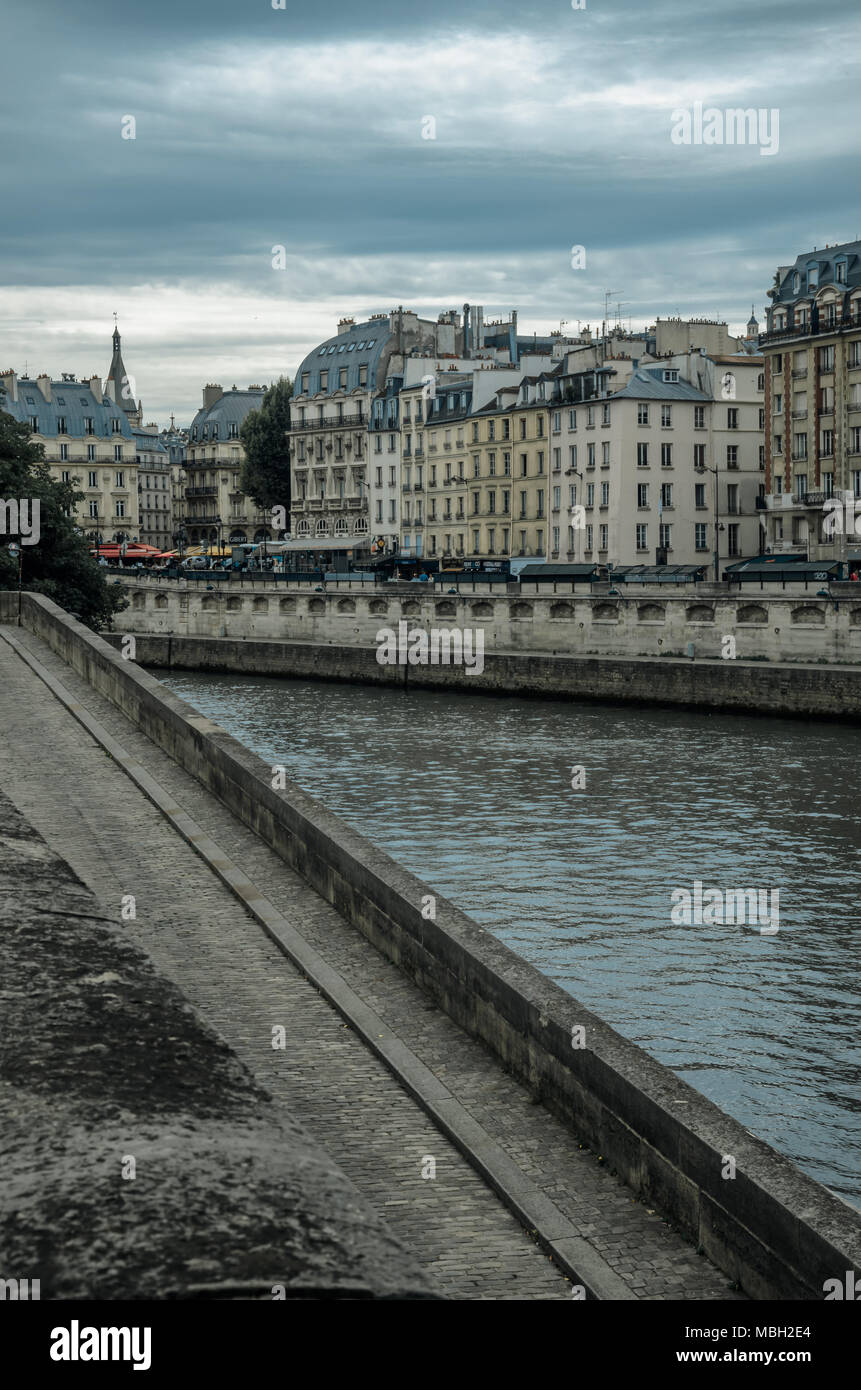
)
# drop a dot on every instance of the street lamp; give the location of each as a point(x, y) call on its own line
point(569, 472)
point(704, 468)
point(17, 553)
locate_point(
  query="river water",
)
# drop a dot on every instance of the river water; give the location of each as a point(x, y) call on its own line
point(474, 794)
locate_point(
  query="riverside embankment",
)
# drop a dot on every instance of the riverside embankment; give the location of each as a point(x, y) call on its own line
point(771, 1229)
point(797, 655)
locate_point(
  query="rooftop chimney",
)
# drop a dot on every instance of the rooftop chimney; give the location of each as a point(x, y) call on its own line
point(44, 384)
point(9, 383)
point(344, 325)
point(95, 385)
point(211, 394)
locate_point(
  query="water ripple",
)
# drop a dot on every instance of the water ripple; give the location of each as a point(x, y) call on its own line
point(474, 795)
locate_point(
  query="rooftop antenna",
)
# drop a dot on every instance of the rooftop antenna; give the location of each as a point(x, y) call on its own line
point(608, 295)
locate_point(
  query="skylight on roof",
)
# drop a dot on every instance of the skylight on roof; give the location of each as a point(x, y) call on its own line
point(352, 347)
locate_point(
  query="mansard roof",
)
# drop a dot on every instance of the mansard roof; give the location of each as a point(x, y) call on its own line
point(72, 401)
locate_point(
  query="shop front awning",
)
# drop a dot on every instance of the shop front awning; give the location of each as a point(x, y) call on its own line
point(320, 543)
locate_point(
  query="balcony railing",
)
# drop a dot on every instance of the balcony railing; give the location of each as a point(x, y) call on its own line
point(812, 330)
point(345, 422)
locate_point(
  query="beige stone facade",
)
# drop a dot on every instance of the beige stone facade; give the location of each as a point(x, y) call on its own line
point(812, 351)
point(216, 510)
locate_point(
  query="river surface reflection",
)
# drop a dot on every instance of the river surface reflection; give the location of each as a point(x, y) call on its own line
point(474, 795)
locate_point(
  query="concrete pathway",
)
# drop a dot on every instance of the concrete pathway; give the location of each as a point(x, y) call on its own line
point(199, 935)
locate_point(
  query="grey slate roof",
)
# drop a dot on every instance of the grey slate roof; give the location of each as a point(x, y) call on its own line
point(231, 408)
point(362, 345)
point(72, 401)
point(825, 260)
point(647, 384)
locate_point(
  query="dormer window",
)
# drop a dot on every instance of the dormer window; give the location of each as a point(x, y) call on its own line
point(840, 272)
point(812, 277)
point(796, 283)
point(671, 374)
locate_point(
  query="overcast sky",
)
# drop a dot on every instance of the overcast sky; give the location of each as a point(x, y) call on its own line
point(258, 127)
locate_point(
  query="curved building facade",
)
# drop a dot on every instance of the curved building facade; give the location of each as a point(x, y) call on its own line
point(331, 413)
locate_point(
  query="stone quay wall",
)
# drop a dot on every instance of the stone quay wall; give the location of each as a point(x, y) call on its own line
point(776, 1231)
point(647, 621)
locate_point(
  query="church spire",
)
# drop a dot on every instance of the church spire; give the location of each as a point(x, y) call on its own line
point(119, 385)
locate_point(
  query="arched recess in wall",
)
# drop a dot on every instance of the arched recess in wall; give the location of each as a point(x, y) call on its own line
point(809, 615)
point(751, 613)
point(605, 613)
point(651, 613)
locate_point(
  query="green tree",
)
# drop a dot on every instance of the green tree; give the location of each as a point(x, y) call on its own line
point(265, 474)
point(59, 565)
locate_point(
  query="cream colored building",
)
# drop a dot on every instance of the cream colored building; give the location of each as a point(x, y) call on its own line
point(600, 457)
point(215, 507)
point(658, 462)
point(812, 351)
point(334, 392)
point(155, 491)
point(88, 439)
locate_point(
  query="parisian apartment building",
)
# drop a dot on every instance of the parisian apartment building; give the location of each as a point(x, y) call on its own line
point(214, 508)
point(812, 352)
point(88, 432)
point(155, 491)
point(349, 443)
point(639, 448)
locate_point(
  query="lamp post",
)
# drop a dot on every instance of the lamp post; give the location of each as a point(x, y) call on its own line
point(577, 474)
point(704, 468)
point(17, 552)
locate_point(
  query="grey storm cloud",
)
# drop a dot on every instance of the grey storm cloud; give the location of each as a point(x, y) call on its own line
point(303, 127)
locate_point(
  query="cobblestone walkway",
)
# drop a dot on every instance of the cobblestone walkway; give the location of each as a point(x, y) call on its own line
point(200, 936)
